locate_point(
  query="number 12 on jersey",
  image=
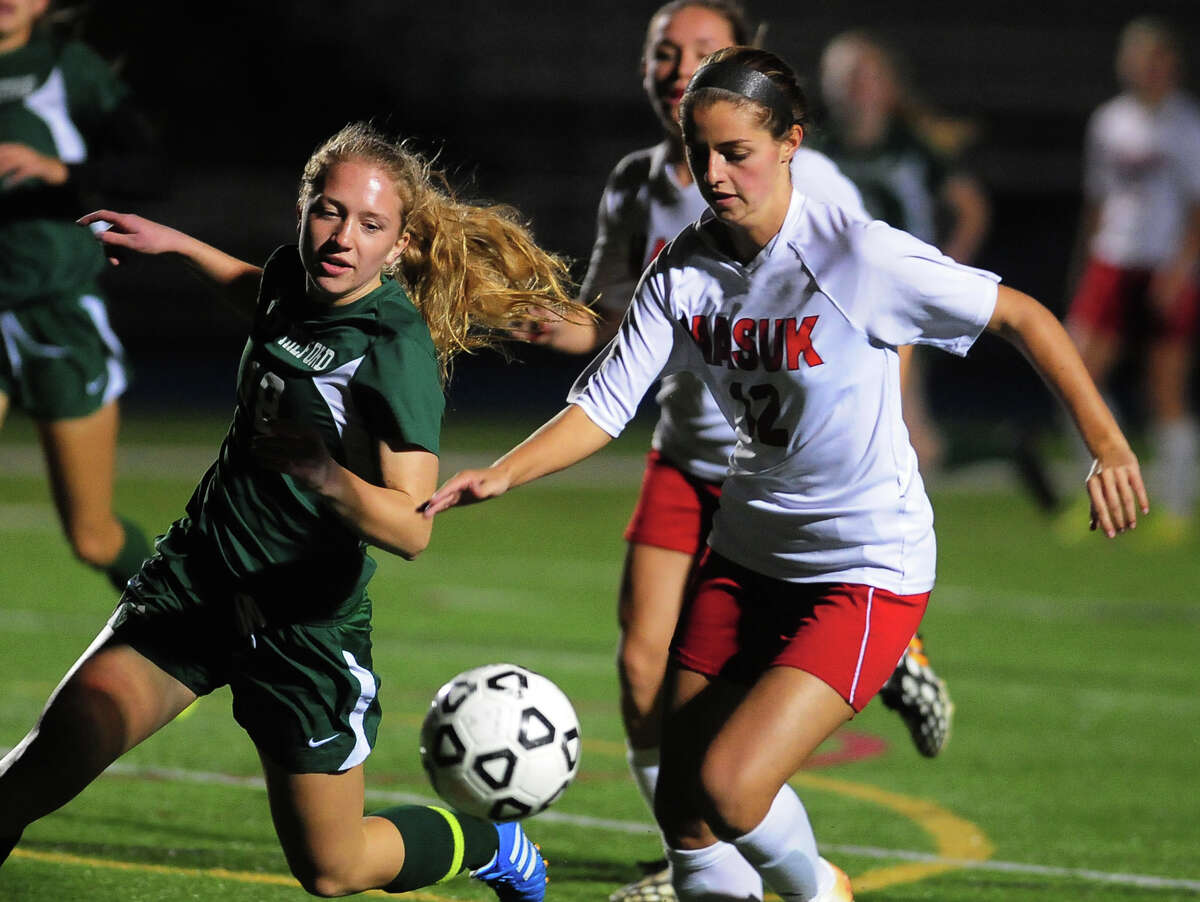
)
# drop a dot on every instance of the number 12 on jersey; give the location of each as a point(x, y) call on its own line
point(761, 406)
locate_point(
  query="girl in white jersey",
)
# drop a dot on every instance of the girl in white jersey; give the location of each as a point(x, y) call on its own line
point(822, 551)
point(649, 199)
point(1140, 230)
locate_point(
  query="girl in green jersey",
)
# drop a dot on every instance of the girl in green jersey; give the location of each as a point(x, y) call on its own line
point(67, 131)
point(333, 446)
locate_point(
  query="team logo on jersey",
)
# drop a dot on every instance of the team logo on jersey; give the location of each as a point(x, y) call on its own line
point(16, 87)
point(749, 344)
point(312, 354)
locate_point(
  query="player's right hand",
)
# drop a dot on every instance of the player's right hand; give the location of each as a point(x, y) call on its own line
point(130, 232)
point(466, 487)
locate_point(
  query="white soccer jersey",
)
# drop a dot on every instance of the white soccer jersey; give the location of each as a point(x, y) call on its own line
point(799, 349)
point(644, 206)
point(1142, 166)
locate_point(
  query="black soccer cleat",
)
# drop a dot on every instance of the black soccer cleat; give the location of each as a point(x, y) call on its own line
point(920, 697)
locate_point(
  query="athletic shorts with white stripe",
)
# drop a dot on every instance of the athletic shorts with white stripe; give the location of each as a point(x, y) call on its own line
point(736, 623)
point(59, 358)
point(303, 690)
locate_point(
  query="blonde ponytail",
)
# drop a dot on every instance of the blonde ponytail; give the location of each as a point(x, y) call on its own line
point(473, 271)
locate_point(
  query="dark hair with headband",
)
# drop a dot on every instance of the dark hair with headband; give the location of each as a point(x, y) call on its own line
point(749, 76)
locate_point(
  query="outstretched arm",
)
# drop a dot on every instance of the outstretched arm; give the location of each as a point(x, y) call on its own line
point(565, 440)
point(388, 515)
point(127, 232)
point(1115, 482)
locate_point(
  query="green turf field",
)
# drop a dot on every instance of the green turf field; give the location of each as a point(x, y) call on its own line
point(1073, 772)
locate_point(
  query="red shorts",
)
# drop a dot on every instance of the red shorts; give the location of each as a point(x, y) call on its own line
point(737, 623)
point(674, 509)
point(1112, 301)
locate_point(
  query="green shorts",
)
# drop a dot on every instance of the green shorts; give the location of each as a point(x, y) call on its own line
point(60, 359)
point(304, 691)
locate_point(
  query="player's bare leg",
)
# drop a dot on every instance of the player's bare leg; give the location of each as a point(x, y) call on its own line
point(3, 408)
point(333, 850)
point(330, 847)
point(109, 702)
point(727, 755)
point(652, 587)
point(1168, 371)
point(81, 461)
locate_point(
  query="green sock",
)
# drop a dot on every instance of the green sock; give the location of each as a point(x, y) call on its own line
point(129, 559)
point(438, 844)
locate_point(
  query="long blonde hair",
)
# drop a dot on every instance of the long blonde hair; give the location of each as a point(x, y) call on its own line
point(472, 270)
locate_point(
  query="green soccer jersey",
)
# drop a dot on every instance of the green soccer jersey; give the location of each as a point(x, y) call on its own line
point(359, 373)
point(52, 98)
point(899, 177)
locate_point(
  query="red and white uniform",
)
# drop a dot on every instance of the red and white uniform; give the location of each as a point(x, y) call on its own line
point(643, 208)
point(1142, 166)
point(798, 348)
point(1142, 170)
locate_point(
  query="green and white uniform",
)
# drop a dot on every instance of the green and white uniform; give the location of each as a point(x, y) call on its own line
point(60, 358)
point(303, 686)
point(899, 177)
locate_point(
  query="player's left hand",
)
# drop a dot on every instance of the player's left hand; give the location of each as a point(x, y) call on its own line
point(466, 487)
point(296, 450)
point(21, 163)
point(1117, 492)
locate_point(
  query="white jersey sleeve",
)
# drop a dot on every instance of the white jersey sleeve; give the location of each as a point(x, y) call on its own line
point(614, 383)
point(899, 290)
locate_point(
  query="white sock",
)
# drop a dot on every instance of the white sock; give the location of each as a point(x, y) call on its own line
point(716, 873)
point(1177, 446)
point(643, 764)
point(783, 850)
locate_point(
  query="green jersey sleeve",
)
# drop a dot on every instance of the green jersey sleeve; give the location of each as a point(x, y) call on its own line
point(398, 390)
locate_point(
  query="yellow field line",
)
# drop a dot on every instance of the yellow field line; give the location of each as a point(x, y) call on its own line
point(211, 873)
point(956, 839)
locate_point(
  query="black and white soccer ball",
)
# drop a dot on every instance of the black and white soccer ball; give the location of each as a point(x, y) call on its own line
point(500, 742)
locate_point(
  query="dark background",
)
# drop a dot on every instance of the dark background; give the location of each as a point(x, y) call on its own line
point(532, 103)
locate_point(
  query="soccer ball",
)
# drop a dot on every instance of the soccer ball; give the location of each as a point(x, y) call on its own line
point(500, 742)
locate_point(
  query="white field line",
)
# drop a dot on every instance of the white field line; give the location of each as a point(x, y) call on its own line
point(1145, 881)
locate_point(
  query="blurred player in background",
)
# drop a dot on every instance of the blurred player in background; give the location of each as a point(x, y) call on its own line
point(1140, 232)
point(880, 138)
point(68, 135)
point(334, 444)
point(822, 553)
point(650, 197)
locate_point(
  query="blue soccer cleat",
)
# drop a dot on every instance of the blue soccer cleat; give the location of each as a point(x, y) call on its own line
point(517, 873)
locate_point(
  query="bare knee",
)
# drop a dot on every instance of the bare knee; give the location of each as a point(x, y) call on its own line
point(324, 876)
point(95, 542)
point(732, 801)
point(642, 665)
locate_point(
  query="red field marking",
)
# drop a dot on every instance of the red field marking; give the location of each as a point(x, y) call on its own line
point(847, 746)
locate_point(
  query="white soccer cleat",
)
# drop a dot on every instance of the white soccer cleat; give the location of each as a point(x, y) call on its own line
point(654, 887)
